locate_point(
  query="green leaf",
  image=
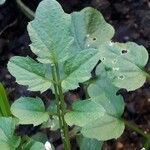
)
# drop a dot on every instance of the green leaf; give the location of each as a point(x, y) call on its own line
point(103, 129)
point(33, 145)
point(2, 2)
point(125, 64)
point(84, 112)
point(50, 33)
point(8, 141)
point(37, 146)
point(78, 68)
point(88, 144)
point(90, 29)
point(100, 115)
point(40, 137)
point(53, 121)
point(29, 72)
point(4, 103)
point(29, 111)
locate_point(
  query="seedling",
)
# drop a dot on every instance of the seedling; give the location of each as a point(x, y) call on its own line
point(68, 47)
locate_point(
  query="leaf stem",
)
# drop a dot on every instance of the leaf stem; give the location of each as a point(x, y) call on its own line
point(27, 11)
point(147, 75)
point(137, 129)
point(65, 126)
point(60, 107)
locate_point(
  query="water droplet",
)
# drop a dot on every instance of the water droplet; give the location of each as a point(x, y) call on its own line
point(116, 69)
point(88, 45)
point(87, 35)
point(121, 77)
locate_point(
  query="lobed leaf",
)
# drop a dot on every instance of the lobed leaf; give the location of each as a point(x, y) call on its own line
point(29, 72)
point(90, 29)
point(124, 64)
point(29, 111)
point(50, 33)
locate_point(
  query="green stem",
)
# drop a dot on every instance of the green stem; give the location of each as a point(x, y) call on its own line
point(63, 108)
point(137, 129)
point(147, 75)
point(60, 107)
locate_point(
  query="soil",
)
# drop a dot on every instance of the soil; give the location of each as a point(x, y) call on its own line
point(131, 20)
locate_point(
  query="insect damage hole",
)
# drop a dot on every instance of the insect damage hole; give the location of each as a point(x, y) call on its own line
point(94, 39)
point(121, 77)
point(124, 51)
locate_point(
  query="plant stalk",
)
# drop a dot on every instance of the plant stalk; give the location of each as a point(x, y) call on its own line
point(60, 107)
point(137, 129)
point(27, 11)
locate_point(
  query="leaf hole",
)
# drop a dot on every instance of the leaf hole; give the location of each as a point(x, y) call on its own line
point(94, 39)
point(121, 77)
point(124, 51)
point(103, 59)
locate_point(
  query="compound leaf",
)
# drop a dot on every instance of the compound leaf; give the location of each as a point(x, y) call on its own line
point(29, 72)
point(124, 64)
point(29, 111)
point(8, 141)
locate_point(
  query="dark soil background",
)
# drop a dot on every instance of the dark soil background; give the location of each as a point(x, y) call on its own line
point(131, 20)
